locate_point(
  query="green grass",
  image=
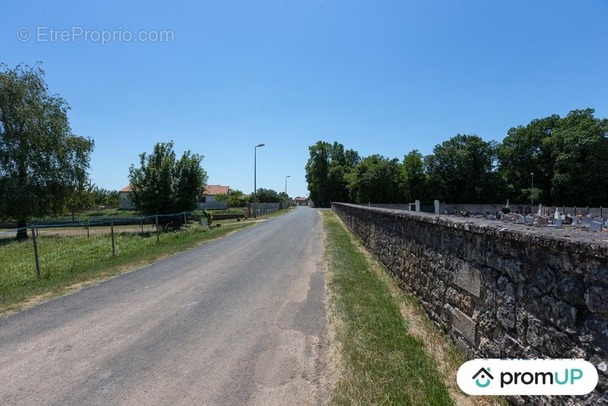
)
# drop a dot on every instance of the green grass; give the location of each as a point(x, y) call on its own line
point(381, 362)
point(66, 261)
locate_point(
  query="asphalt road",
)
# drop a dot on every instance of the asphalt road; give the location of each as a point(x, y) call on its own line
point(238, 321)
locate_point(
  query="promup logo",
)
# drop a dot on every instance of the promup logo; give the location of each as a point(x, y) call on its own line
point(527, 377)
point(483, 375)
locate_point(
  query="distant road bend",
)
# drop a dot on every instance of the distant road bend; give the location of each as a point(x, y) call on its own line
point(237, 321)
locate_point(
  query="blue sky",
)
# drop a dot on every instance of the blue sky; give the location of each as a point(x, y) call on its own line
point(378, 76)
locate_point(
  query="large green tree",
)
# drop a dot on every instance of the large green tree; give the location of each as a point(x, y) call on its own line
point(327, 170)
point(163, 184)
point(528, 150)
point(566, 155)
point(461, 170)
point(580, 149)
point(415, 179)
point(376, 179)
point(41, 161)
point(268, 196)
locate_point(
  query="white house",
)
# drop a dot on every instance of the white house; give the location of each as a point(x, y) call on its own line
point(208, 198)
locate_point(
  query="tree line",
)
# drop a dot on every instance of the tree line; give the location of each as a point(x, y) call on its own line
point(554, 160)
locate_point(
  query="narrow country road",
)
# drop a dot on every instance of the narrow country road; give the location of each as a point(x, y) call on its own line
point(237, 321)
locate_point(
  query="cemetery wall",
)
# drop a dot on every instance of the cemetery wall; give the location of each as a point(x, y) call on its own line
point(494, 207)
point(499, 290)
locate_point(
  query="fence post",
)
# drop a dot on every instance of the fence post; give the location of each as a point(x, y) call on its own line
point(34, 232)
point(184, 219)
point(157, 230)
point(142, 226)
point(113, 242)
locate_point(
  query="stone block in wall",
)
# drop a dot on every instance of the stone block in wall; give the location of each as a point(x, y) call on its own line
point(596, 273)
point(595, 333)
point(511, 348)
point(463, 324)
point(467, 277)
point(487, 325)
point(571, 290)
point(488, 348)
point(557, 343)
point(505, 303)
point(545, 279)
point(521, 324)
point(596, 299)
point(560, 313)
point(535, 333)
point(549, 309)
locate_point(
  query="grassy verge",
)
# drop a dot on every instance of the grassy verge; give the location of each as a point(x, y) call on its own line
point(67, 262)
point(389, 352)
point(381, 362)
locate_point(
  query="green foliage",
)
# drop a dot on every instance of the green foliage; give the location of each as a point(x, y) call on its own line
point(414, 177)
point(460, 170)
point(80, 199)
point(580, 150)
point(162, 184)
point(376, 179)
point(105, 197)
point(566, 155)
point(553, 160)
point(527, 150)
point(267, 196)
point(41, 162)
point(327, 170)
point(208, 217)
point(236, 198)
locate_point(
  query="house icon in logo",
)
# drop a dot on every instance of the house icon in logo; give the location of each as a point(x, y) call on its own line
point(484, 375)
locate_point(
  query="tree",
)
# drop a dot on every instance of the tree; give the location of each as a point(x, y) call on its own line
point(461, 170)
point(236, 198)
point(164, 185)
point(326, 172)
point(415, 179)
point(528, 150)
point(105, 197)
point(376, 179)
point(566, 156)
point(41, 161)
point(80, 199)
point(580, 148)
point(267, 196)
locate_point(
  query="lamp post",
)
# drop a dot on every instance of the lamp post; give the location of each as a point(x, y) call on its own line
point(288, 176)
point(255, 209)
point(532, 193)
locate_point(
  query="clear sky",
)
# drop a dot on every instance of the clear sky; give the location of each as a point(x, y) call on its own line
point(218, 77)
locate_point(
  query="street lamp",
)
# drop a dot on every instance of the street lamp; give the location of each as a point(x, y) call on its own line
point(532, 193)
point(288, 176)
point(255, 209)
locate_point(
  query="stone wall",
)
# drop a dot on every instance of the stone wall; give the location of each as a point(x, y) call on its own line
point(499, 290)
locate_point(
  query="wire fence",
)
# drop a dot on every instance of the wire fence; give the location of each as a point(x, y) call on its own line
point(94, 240)
point(148, 225)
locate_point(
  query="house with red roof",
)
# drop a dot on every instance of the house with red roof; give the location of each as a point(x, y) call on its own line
point(209, 198)
point(124, 198)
